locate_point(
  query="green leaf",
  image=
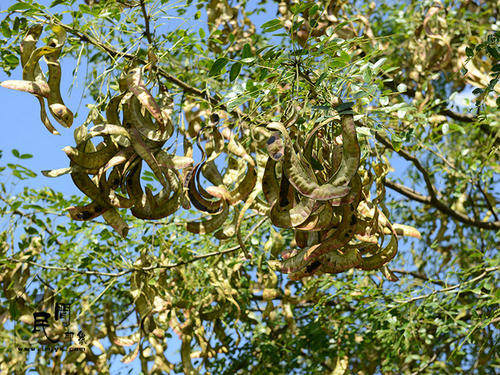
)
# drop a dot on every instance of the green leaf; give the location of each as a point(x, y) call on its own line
point(236, 102)
point(379, 63)
point(271, 23)
point(20, 6)
point(493, 51)
point(15, 153)
point(320, 79)
point(201, 33)
point(26, 156)
point(12, 60)
point(469, 52)
point(246, 52)
point(235, 71)
point(4, 26)
point(363, 130)
point(57, 2)
point(248, 60)
point(31, 230)
point(217, 66)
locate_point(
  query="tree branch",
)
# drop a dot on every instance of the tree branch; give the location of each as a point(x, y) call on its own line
point(147, 31)
point(145, 269)
point(453, 288)
point(463, 117)
point(216, 101)
point(420, 276)
point(432, 199)
point(30, 218)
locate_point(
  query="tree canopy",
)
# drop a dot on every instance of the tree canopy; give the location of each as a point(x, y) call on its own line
point(294, 187)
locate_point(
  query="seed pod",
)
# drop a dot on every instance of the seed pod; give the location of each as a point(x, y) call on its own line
point(210, 225)
point(136, 85)
point(87, 212)
point(91, 160)
point(303, 179)
point(31, 87)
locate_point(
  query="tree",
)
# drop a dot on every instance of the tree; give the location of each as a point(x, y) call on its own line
point(311, 147)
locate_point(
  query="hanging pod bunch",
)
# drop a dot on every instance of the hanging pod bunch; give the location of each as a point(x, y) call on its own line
point(133, 130)
point(318, 192)
point(45, 89)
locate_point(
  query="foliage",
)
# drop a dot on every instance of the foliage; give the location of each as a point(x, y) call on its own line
point(305, 127)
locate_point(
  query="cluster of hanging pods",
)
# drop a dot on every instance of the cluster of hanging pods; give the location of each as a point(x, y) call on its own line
point(318, 192)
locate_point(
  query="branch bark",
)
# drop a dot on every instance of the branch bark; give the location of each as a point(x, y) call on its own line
point(432, 199)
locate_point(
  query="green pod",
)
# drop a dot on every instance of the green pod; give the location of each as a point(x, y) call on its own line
point(57, 108)
point(212, 174)
point(245, 187)
point(150, 131)
point(113, 218)
point(304, 179)
point(56, 172)
point(173, 161)
point(145, 154)
point(106, 130)
point(209, 225)
point(275, 146)
point(286, 212)
point(270, 185)
point(91, 160)
point(241, 214)
point(112, 110)
point(87, 212)
point(322, 219)
point(116, 200)
point(196, 198)
point(340, 260)
point(31, 70)
point(136, 85)
point(381, 258)
point(146, 205)
point(28, 44)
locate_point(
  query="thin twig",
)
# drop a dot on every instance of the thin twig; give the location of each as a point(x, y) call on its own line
point(421, 369)
point(147, 31)
point(433, 198)
point(453, 287)
point(31, 219)
point(420, 276)
point(145, 269)
point(490, 206)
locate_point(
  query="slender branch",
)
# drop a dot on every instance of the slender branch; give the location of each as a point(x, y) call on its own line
point(432, 199)
point(145, 269)
point(420, 276)
point(428, 183)
point(453, 288)
point(490, 206)
point(464, 117)
point(406, 191)
point(421, 369)
point(147, 31)
point(467, 117)
point(66, 269)
point(30, 218)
